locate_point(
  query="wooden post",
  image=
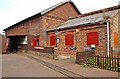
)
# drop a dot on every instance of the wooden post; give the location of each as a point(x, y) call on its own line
point(77, 58)
point(105, 62)
point(53, 54)
point(115, 60)
point(110, 63)
point(98, 60)
point(112, 68)
point(118, 64)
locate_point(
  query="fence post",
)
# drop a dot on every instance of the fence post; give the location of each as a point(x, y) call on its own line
point(110, 61)
point(77, 58)
point(53, 53)
point(98, 60)
point(105, 62)
point(118, 64)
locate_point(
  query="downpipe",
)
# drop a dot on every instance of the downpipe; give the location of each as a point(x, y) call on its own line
point(108, 38)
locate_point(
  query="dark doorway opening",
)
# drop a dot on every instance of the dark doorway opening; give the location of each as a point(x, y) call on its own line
point(17, 43)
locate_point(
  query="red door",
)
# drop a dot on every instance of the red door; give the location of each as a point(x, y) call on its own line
point(69, 40)
point(52, 40)
point(92, 38)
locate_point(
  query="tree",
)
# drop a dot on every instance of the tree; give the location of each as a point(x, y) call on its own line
point(1, 34)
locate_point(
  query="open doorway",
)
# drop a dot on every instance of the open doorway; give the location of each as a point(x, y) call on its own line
point(17, 43)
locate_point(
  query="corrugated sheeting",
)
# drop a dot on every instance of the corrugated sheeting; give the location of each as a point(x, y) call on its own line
point(85, 20)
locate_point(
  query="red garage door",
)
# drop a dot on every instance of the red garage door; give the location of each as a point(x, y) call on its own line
point(92, 38)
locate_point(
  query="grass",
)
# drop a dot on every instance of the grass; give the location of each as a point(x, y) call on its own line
point(91, 60)
point(85, 66)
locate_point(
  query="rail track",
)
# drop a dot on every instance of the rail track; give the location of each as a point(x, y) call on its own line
point(67, 73)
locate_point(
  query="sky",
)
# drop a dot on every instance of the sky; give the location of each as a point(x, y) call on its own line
point(13, 11)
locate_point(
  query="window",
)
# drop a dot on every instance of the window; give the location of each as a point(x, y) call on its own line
point(69, 39)
point(92, 38)
point(115, 39)
point(53, 40)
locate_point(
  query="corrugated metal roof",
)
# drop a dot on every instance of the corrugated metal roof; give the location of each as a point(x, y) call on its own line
point(85, 20)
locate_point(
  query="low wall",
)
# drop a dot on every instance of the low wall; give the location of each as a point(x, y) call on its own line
point(2, 44)
point(43, 51)
point(49, 50)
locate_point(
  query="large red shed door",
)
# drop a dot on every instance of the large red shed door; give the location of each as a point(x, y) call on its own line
point(92, 38)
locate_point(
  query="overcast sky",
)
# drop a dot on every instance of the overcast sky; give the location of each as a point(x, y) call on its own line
point(13, 11)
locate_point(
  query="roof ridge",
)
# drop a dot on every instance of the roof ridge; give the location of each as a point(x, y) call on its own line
point(98, 11)
point(54, 6)
point(42, 12)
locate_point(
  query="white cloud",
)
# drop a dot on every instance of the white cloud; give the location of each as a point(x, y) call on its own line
point(91, 5)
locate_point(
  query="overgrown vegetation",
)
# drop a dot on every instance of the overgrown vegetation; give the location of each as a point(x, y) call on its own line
point(85, 66)
point(107, 63)
point(91, 60)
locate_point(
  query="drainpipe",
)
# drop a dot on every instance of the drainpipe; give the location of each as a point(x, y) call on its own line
point(56, 33)
point(119, 28)
point(108, 38)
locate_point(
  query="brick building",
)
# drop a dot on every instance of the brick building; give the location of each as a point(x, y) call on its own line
point(31, 32)
point(97, 29)
point(55, 27)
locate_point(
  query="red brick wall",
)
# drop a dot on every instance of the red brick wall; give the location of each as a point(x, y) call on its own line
point(59, 15)
point(35, 26)
point(39, 24)
point(56, 17)
point(80, 39)
point(19, 29)
point(65, 11)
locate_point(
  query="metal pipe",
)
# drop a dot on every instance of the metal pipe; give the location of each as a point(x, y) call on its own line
point(108, 38)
